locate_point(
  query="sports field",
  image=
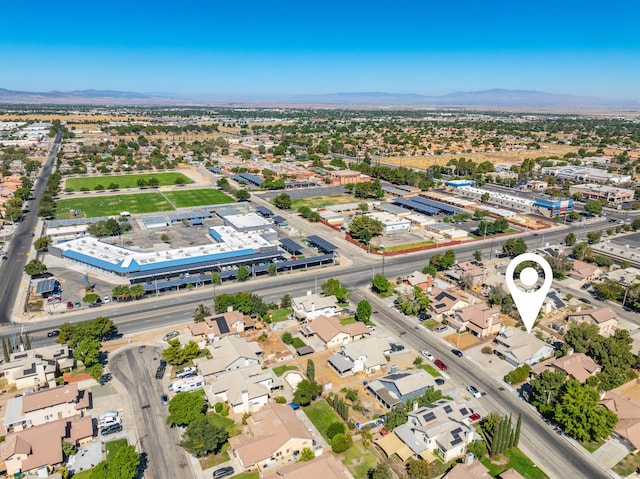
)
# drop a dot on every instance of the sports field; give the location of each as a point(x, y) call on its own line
point(124, 181)
point(199, 197)
point(112, 205)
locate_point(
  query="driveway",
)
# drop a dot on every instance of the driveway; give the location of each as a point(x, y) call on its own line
point(134, 368)
point(611, 452)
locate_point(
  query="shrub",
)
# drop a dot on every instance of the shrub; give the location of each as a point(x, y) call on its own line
point(218, 407)
point(281, 400)
point(487, 350)
point(340, 443)
point(287, 338)
point(334, 429)
point(518, 375)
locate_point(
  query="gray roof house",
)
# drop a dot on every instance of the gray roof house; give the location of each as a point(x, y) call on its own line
point(367, 354)
point(227, 354)
point(246, 390)
point(397, 388)
point(518, 347)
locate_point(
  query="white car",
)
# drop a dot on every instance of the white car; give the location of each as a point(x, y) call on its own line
point(473, 390)
point(428, 355)
point(106, 299)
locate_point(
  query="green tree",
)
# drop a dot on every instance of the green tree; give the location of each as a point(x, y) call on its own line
point(340, 443)
point(245, 301)
point(42, 243)
point(560, 264)
point(582, 252)
point(363, 227)
point(477, 255)
point(68, 449)
point(579, 413)
point(593, 207)
point(545, 390)
point(380, 471)
point(243, 273)
point(137, 291)
point(123, 465)
point(518, 375)
point(90, 298)
point(285, 301)
point(334, 287)
point(200, 313)
point(87, 351)
point(419, 468)
point(335, 428)
point(35, 267)
point(594, 237)
point(478, 449)
point(514, 247)
point(287, 338)
point(307, 454)
point(242, 195)
point(282, 201)
point(203, 437)
point(121, 292)
point(186, 407)
point(570, 239)
point(381, 285)
point(272, 270)
point(306, 392)
point(363, 311)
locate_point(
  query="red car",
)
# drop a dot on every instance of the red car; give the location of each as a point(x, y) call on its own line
point(475, 416)
point(384, 432)
point(440, 364)
point(69, 305)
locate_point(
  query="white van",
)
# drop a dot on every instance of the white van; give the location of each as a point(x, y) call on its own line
point(187, 385)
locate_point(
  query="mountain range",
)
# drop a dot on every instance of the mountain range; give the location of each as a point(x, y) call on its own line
point(501, 98)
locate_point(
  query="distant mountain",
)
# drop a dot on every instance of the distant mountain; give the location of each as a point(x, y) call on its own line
point(495, 98)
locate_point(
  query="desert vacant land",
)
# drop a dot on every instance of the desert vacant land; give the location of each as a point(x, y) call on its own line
point(424, 162)
point(199, 197)
point(124, 181)
point(112, 205)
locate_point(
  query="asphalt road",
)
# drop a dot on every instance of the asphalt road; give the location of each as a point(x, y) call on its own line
point(13, 267)
point(135, 368)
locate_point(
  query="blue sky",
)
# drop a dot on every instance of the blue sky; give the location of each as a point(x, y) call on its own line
point(240, 48)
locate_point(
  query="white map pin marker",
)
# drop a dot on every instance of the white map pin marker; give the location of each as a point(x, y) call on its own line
point(528, 302)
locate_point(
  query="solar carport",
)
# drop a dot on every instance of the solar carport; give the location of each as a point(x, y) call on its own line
point(290, 246)
point(323, 245)
point(420, 208)
point(45, 286)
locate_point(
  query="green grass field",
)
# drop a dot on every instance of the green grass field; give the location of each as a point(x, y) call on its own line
point(279, 315)
point(359, 459)
point(112, 205)
point(199, 197)
point(322, 416)
point(280, 370)
point(519, 462)
point(124, 181)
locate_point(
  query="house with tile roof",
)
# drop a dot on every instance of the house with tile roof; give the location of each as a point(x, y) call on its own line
point(217, 326)
point(310, 306)
point(333, 333)
point(518, 347)
point(326, 466)
point(367, 355)
point(480, 319)
point(419, 280)
point(473, 470)
point(37, 367)
point(511, 474)
point(397, 388)
point(227, 354)
point(628, 412)
point(276, 437)
point(443, 426)
point(246, 390)
point(444, 303)
point(585, 272)
point(474, 269)
point(577, 366)
point(605, 318)
point(45, 406)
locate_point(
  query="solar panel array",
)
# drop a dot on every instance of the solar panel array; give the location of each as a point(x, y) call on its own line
point(75, 221)
point(291, 246)
point(437, 204)
point(420, 208)
point(321, 244)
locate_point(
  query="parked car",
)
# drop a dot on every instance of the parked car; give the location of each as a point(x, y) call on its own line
point(164, 399)
point(69, 305)
point(76, 304)
point(186, 372)
point(441, 328)
point(170, 335)
point(442, 366)
point(223, 472)
point(457, 352)
point(427, 355)
point(475, 416)
point(396, 347)
point(54, 333)
point(439, 381)
point(473, 390)
point(160, 372)
point(112, 429)
point(106, 299)
point(584, 300)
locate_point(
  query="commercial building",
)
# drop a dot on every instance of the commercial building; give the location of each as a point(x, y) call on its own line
point(607, 194)
point(390, 223)
point(546, 206)
point(584, 174)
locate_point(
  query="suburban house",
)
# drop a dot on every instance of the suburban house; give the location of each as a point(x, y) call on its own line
point(518, 347)
point(480, 319)
point(219, 325)
point(552, 303)
point(628, 412)
point(586, 272)
point(333, 333)
point(36, 368)
point(604, 318)
point(276, 436)
point(365, 355)
point(246, 390)
point(442, 426)
point(397, 388)
point(577, 366)
point(227, 354)
point(310, 306)
point(511, 474)
point(419, 280)
point(326, 466)
point(45, 406)
point(470, 470)
point(473, 269)
point(445, 303)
